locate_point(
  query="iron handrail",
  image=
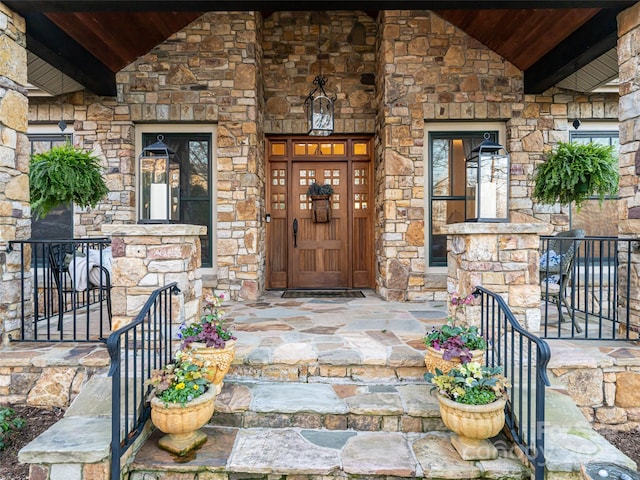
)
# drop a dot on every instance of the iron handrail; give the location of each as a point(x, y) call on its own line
point(136, 350)
point(508, 342)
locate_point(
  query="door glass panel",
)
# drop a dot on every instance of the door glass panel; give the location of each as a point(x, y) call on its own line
point(360, 148)
point(278, 149)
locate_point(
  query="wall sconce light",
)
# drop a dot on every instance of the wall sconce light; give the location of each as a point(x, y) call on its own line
point(159, 177)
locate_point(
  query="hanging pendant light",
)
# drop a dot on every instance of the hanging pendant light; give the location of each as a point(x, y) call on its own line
point(319, 104)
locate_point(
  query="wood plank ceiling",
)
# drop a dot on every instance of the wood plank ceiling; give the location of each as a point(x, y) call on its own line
point(548, 44)
point(521, 36)
point(118, 38)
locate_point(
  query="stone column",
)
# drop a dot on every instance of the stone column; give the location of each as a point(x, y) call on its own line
point(629, 117)
point(15, 212)
point(501, 257)
point(147, 257)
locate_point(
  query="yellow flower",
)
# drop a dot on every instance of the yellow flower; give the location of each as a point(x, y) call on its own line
point(196, 386)
point(180, 386)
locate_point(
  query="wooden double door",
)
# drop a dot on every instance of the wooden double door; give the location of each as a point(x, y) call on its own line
point(304, 250)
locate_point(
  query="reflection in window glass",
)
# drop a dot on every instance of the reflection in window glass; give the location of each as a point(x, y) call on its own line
point(193, 152)
point(448, 152)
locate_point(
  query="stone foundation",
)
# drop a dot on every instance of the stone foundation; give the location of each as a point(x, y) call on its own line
point(50, 376)
point(608, 397)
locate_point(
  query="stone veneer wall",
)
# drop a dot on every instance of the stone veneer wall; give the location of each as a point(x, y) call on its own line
point(607, 390)
point(104, 127)
point(504, 259)
point(427, 70)
point(15, 211)
point(629, 225)
point(545, 121)
point(291, 62)
point(150, 256)
point(207, 73)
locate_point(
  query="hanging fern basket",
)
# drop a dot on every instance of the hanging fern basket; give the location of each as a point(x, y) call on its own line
point(64, 175)
point(576, 172)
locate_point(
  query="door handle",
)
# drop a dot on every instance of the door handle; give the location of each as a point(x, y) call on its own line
point(295, 233)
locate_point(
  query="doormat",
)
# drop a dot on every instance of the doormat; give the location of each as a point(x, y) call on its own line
point(323, 294)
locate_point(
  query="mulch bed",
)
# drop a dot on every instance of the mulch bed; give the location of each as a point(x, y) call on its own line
point(38, 420)
point(627, 442)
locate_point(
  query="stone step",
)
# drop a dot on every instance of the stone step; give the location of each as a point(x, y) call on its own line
point(363, 407)
point(317, 372)
point(310, 453)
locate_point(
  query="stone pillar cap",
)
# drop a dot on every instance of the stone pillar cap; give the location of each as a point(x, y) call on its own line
point(500, 228)
point(154, 229)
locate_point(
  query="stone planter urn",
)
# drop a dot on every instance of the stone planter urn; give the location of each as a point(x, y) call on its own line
point(219, 360)
point(472, 426)
point(434, 359)
point(182, 423)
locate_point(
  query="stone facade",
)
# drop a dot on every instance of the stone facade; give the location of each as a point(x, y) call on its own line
point(15, 211)
point(629, 112)
point(292, 60)
point(393, 76)
point(207, 73)
point(430, 71)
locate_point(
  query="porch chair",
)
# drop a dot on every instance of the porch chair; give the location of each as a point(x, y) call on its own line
point(60, 255)
point(564, 244)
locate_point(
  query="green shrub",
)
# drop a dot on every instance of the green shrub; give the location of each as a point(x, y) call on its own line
point(8, 424)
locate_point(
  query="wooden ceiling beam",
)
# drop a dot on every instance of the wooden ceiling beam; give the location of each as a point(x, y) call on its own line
point(55, 47)
point(587, 43)
point(38, 6)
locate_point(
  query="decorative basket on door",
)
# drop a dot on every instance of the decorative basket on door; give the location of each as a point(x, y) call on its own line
point(320, 202)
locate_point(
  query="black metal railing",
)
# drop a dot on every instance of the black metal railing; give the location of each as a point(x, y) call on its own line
point(523, 358)
point(65, 289)
point(136, 350)
point(592, 303)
